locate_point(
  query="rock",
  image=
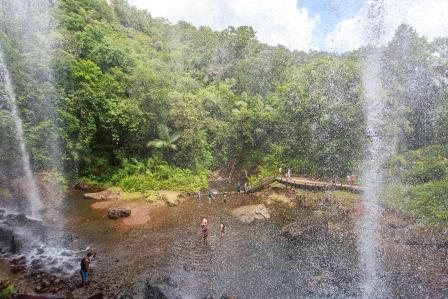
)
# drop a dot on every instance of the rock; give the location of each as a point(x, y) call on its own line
point(279, 198)
point(305, 227)
point(168, 281)
point(188, 268)
point(18, 265)
point(120, 212)
point(153, 292)
point(250, 213)
point(225, 296)
point(97, 296)
point(36, 265)
point(22, 220)
point(112, 193)
point(322, 285)
point(9, 240)
point(278, 186)
point(170, 197)
point(82, 186)
point(45, 283)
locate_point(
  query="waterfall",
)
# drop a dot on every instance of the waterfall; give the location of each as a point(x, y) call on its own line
point(372, 177)
point(379, 150)
point(32, 195)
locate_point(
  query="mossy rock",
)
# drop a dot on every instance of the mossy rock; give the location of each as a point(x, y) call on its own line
point(133, 196)
point(170, 197)
point(278, 198)
point(151, 197)
point(277, 185)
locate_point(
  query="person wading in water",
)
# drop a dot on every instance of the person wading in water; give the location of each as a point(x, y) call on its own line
point(222, 228)
point(85, 263)
point(204, 222)
point(204, 233)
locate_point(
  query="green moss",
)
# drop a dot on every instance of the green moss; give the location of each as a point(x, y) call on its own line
point(5, 194)
point(278, 198)
point(133, 196)
point(6, 289)
point(170, 197)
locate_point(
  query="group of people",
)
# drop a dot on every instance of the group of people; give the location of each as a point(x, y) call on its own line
point(288, 173)
point(351, 179)
point(210, 196)
point(204, 229)
point(245, 187)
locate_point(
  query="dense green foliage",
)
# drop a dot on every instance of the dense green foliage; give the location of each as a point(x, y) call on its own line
point(178, 100)
point(421, 183)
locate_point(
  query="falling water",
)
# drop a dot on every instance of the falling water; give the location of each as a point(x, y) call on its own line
point(34, 201)
point(378, 152)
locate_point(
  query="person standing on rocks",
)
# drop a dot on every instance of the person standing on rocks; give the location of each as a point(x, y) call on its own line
point(238, 187)
point(85, 263)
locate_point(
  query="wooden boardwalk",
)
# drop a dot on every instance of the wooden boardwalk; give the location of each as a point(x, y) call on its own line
point(303, 183)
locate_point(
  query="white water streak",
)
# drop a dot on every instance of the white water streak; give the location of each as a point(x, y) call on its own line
point(34, 201)
point(379, 150)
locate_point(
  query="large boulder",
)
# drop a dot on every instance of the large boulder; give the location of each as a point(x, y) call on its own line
point(305, 227)
point(120, 212)
point(8, 241)
point(171, 198)
point(250, 213)
point(112, 193)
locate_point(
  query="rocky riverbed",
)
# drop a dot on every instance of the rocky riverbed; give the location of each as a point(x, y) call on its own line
point(278, 243)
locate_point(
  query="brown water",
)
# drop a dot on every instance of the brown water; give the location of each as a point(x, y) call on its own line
point(251, 260)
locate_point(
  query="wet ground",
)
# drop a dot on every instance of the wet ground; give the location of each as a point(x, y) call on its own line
point(251, 261)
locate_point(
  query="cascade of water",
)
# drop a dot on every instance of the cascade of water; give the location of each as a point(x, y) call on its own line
point(379, 150)
point(372, 178)
point(34, 201)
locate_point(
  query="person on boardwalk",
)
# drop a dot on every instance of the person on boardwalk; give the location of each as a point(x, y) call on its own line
point(289, 173)
point(246, 188)
point(85, 264)
point(238, 187)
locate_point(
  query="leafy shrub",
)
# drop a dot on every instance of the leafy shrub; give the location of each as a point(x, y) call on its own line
point(430, 201)
point(424, 165)
point(142, 176)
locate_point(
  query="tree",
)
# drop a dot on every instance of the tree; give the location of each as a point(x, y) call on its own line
point(166, 141)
